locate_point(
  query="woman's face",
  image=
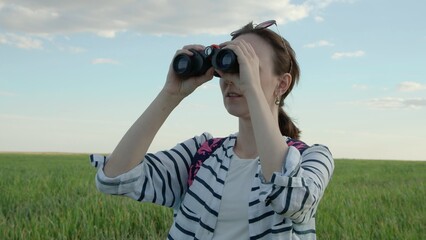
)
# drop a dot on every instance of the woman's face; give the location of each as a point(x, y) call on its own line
point(235, 103)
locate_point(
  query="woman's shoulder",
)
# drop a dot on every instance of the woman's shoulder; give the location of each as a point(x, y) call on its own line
point(302, 146)
point(297, 143)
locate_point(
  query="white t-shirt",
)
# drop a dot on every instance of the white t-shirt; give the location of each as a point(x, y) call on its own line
point(233, 217)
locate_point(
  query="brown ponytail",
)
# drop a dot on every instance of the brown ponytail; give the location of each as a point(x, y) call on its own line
point(287, 126)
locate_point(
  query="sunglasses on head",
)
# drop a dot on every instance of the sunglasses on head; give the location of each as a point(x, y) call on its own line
point(259, 26)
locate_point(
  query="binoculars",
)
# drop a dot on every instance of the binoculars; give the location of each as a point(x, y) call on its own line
point(223, 59)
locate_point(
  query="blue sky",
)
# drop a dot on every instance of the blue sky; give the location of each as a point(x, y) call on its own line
point(75, 75)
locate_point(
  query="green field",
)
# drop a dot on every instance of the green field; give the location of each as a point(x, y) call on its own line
point(53, 196)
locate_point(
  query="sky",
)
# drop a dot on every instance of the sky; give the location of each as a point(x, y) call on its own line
point(75, 75)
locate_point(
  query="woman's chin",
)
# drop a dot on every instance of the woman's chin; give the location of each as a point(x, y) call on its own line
point(237, 112)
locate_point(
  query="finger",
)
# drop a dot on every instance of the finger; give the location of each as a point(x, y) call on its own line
point(206, 77)
point(219, 72)
point(187, 49)
point(222, 45)
point(246, 48)
point(184, 51)
point(237, 50)
point(197, 47)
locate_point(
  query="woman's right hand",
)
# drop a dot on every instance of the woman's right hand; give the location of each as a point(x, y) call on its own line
point(179, 87)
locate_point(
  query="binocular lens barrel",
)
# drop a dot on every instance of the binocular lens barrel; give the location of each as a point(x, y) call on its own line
point(187, 66)
point(225, 60)
point(182, 64)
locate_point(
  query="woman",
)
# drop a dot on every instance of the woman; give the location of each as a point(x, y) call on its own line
point(259, 183)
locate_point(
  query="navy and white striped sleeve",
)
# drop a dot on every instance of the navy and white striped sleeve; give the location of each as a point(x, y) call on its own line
point(297, 190)
point(160, 178)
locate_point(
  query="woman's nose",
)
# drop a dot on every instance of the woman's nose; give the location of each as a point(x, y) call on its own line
point(227, 81)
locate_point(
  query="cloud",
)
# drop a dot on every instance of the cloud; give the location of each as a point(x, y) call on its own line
point(71, 49)
point(107, 33)
point(147, 16)
point(410, 86)
point(320, 43)
point(317, 7)
point(318, 19)
point(394, 103)
point(104, 61)
point(320, 4)
point(359, 87)
point(19, 41)
point(339, 55)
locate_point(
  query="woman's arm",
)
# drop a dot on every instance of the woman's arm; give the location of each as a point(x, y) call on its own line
point(267, 134)
point(135, 143)
point(269, 141)
point(296, 194)
point(161, 177)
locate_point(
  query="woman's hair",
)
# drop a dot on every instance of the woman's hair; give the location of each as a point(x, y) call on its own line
point(284, 62)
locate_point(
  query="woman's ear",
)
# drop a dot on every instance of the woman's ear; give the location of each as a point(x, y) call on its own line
point(284, 82)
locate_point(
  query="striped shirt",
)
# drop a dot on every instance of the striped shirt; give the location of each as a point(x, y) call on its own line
point(283, 208)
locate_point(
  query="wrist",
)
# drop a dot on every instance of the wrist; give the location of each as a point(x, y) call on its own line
point(171, 97)
point(254, 93)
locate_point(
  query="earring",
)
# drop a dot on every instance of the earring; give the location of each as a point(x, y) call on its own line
point(277, 101)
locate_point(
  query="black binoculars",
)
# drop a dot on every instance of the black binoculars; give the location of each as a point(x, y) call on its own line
point(223, 59)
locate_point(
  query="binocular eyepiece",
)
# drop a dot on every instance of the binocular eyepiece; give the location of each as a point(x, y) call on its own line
point(223, 59)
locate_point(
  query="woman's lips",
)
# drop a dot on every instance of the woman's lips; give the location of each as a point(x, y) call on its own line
point(233, 95)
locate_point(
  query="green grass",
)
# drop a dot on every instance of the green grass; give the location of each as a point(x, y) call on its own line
point(53, 196)
point(374, 200)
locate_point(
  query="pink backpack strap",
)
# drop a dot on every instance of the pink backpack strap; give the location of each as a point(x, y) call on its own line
point(204, 152)
point(299, 145)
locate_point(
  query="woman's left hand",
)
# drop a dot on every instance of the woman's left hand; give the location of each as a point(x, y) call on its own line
point(249, 76)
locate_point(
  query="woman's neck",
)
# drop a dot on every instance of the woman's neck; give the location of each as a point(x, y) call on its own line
point(245, 146)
